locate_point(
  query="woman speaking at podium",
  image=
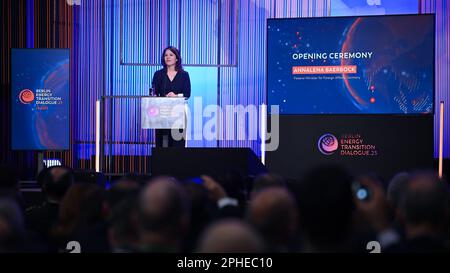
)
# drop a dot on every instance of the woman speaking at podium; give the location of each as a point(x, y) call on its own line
point(171, 81)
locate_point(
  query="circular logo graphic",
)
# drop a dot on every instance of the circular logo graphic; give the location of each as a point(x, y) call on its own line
point(327, 144)
point(153, 111)
point(26, 96)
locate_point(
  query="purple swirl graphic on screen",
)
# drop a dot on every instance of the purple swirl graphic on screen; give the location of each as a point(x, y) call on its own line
point(52, 125)
point(327, 144)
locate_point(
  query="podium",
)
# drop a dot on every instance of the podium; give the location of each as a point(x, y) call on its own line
point(163, 113)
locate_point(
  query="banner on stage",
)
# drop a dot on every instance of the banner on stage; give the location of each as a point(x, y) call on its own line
point(40, 82)
point(163, 113)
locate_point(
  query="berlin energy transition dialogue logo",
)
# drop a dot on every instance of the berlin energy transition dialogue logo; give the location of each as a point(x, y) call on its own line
point(153, 111)
point(327, 144)
point(26, 96)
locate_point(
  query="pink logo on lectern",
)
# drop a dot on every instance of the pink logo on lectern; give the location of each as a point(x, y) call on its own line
point(26, 96)
point(327, 144)
point(152, 111)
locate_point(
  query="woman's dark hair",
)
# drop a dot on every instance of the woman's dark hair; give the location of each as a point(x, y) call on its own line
point(174, 50)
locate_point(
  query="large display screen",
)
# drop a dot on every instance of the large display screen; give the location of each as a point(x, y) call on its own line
point(351, 65)
point(40, 99)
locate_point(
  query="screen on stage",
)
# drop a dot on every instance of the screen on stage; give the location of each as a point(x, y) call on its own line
point(351, 65)
point(40, 99)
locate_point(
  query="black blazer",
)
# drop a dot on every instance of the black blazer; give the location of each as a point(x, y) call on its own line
point(162, 85)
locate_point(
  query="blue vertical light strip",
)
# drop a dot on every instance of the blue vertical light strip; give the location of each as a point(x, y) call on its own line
point(135, 80)
point(74, 12)
point(442, 71)
point(238, 84)
point(30, 23)
point(141, 31)
point(145, 29)
point(89, 76)
point(198, 27)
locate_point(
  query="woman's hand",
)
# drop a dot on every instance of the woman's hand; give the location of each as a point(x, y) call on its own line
point(171, 94)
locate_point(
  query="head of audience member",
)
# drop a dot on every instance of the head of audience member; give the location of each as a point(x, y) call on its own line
point(123, 231)
point(197, 195)
point(121, 189)
point(326, 208)
point(267, 180)
point(425, 205)
point(201, 204)
point(273, 212)
point(12, 228)
point(56, 180)
point(397, 188)
point(230, 236)
point(202, 211)
point(164, 215)
point(80, 209)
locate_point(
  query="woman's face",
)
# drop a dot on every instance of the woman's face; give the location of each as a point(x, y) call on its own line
point(170, 58)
